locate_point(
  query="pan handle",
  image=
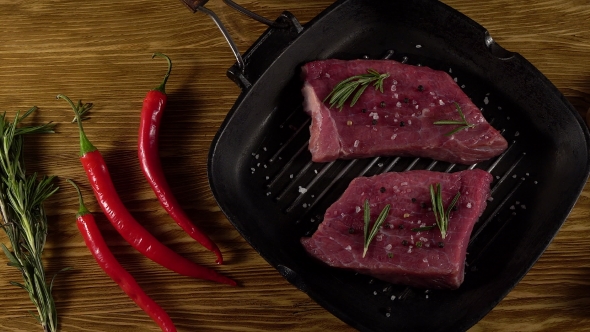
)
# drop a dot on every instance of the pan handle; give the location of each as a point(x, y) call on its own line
point(260, 55)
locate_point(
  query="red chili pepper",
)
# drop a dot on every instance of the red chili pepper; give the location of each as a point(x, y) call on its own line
point(149, 127)
point(112, 206)
point(109, 264)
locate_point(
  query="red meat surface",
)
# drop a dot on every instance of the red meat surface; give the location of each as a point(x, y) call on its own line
point(399, 254)
point(397, 122)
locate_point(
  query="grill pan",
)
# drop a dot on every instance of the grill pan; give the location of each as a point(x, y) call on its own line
point(262, 177)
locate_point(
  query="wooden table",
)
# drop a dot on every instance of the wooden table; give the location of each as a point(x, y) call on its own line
point(100, 52)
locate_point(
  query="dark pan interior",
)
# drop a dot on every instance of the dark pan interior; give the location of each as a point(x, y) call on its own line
point(262, 176)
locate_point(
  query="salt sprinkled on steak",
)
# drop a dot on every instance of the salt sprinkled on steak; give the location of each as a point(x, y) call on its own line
point(399, 254)
point(397, 122)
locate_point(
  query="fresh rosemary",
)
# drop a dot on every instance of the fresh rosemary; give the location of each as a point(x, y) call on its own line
point(463, 124)
point(343, 90)
point(369, 235)
point(23, 216)
point(441, 216)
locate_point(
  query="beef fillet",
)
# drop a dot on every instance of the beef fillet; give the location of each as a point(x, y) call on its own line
point(399, 253)
point(397, 122)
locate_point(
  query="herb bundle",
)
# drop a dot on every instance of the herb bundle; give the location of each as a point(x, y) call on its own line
point(23, 216)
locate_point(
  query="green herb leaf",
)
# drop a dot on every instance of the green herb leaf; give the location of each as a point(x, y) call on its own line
point(442, 217)
point(343, 90)
point(23, 216)
point(369, 235)
point(425, 228)
point(463, 124)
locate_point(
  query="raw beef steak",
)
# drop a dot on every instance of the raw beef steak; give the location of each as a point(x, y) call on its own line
point(400, 253)
point(397, 122)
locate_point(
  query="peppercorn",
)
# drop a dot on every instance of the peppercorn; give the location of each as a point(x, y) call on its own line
point(351, 230)
point(401, 226)
point(404, 243)
point(419, 244)
point(382, 189)
point(374, 122)
point(413, 200)
point(441, 244)
point(420, 88)
point(382, 104)
point(406, 100)
point(401, 124)
point(364, 110)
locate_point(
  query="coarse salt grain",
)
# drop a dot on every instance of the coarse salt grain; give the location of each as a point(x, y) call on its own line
point(302, 190)
point(348, 248)
point(356, 143)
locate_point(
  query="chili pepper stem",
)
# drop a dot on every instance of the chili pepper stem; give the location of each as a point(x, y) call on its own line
point(162, 86)
point(85, 144)
point(82, 210)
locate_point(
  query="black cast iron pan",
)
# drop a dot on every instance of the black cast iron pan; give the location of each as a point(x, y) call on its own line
point(261, 173)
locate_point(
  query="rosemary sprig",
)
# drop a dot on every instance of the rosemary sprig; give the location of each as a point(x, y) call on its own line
point(463, 124)
point(343, 90)
point(23, 216)
point(441, 216)
point(369, 235)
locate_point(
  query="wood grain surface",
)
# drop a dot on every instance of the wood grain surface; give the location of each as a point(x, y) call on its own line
point(100, 52)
